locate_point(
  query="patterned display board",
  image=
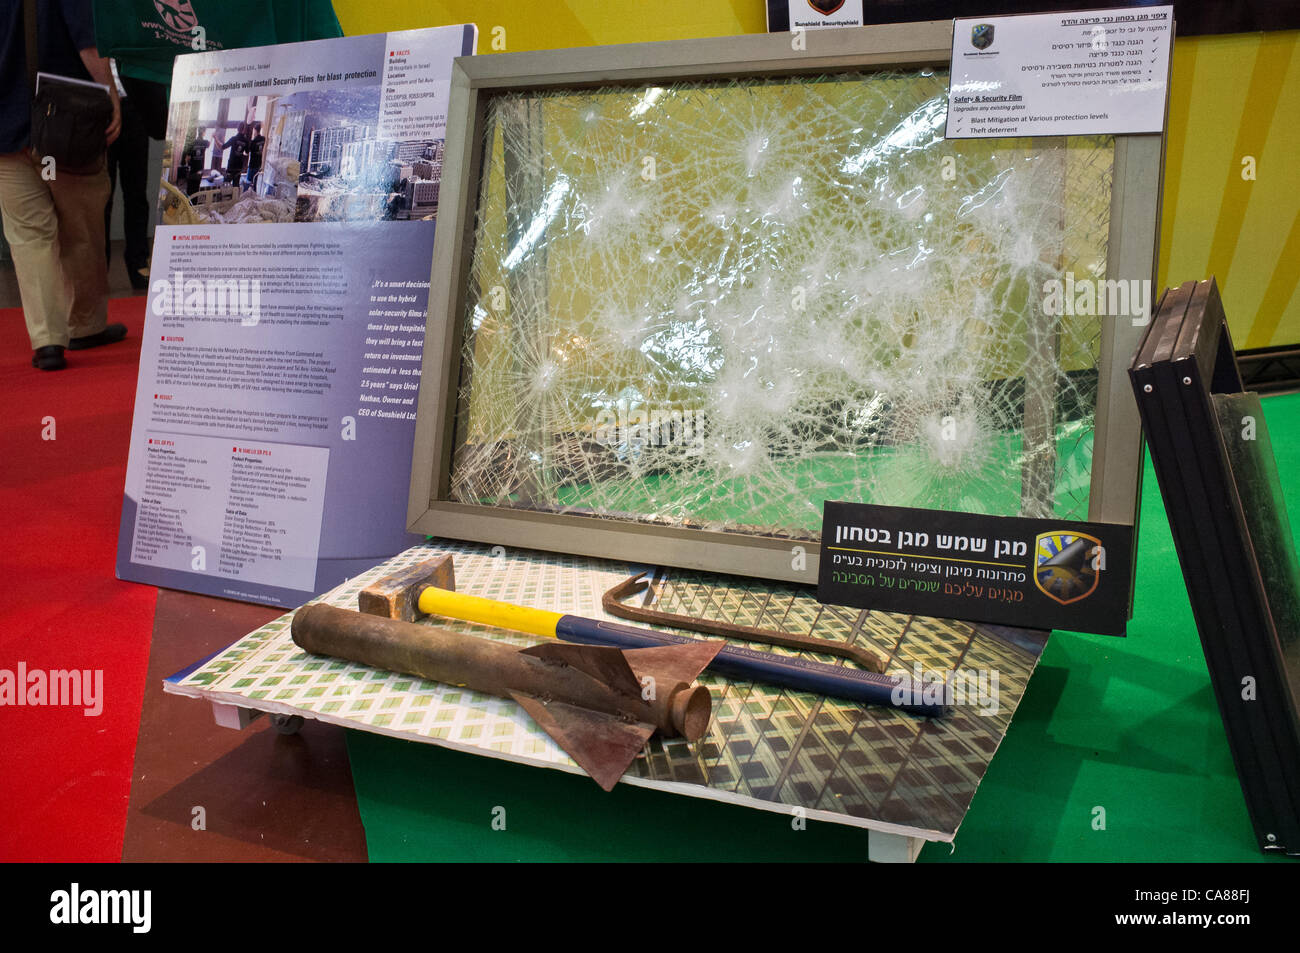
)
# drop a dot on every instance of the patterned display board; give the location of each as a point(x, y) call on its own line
point(766, 747)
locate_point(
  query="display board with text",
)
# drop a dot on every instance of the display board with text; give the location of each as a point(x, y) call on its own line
point(275, 406)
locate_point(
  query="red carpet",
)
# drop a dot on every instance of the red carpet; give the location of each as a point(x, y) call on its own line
point(64, 775)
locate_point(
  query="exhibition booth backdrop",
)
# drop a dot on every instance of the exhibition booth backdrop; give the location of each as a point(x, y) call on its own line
point(1245, 232)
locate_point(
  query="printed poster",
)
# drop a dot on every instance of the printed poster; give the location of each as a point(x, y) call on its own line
point(275, 410)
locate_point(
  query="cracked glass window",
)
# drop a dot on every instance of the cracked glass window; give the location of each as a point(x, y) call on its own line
point(719, 304)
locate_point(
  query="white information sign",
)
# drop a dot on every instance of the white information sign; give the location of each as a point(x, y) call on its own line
point(415, 87)
point(1056, 74)
point(266, 526)
point(806, 14)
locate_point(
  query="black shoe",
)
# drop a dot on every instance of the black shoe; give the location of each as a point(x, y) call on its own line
point(49, 358)
point(110, 334)
point(139, 280)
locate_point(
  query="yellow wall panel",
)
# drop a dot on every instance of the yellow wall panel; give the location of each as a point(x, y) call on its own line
point(555, 24)
point(1259, 251)
point(1231, 96)
point(1236, 97)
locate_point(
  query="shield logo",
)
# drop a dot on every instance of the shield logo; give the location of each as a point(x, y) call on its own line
point(1065, 566)
point(825, 7)
point(981, 36)
point(177, 14)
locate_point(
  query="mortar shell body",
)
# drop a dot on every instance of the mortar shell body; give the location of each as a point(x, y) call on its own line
point(493, 668)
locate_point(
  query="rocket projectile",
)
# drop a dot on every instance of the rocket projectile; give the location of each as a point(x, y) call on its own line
point(600, 704)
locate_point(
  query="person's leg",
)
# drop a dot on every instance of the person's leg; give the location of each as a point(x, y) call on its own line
point(108, 206)
point(80, 200)
point(133, 170)
point(32, 231)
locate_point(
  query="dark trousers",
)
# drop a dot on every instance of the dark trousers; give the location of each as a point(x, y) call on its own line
point(128, 160)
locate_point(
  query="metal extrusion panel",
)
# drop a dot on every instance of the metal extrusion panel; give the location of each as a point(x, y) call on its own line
point(1185, 368)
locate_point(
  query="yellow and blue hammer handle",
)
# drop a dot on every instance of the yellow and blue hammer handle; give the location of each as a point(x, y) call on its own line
point(734, 661)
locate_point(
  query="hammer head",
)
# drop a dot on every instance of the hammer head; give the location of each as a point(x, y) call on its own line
point(397, 595)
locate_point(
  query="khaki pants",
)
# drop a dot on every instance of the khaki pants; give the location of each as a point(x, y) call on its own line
point(55, 230)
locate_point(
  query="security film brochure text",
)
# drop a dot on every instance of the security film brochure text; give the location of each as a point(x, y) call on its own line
point(275, 410)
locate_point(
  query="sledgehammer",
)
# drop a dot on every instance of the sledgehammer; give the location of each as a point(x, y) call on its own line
point(428, 588)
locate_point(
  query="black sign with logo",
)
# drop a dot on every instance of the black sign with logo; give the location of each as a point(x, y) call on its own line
point(1033, 573)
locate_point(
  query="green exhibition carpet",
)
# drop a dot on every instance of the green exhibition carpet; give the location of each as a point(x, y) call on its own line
point(1116, 753)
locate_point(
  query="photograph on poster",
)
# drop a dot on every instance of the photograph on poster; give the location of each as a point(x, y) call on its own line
point(311, 156)
point(214, 158)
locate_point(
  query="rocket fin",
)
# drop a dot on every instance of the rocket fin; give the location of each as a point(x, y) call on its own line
point(603, 745)
point(606, 665)
point(670, 664)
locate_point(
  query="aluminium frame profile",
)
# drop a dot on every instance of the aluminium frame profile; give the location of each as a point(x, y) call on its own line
point(1186, 357)
point(1132, 246)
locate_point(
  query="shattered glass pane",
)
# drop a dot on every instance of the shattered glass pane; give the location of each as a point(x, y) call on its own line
point(717, 305)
